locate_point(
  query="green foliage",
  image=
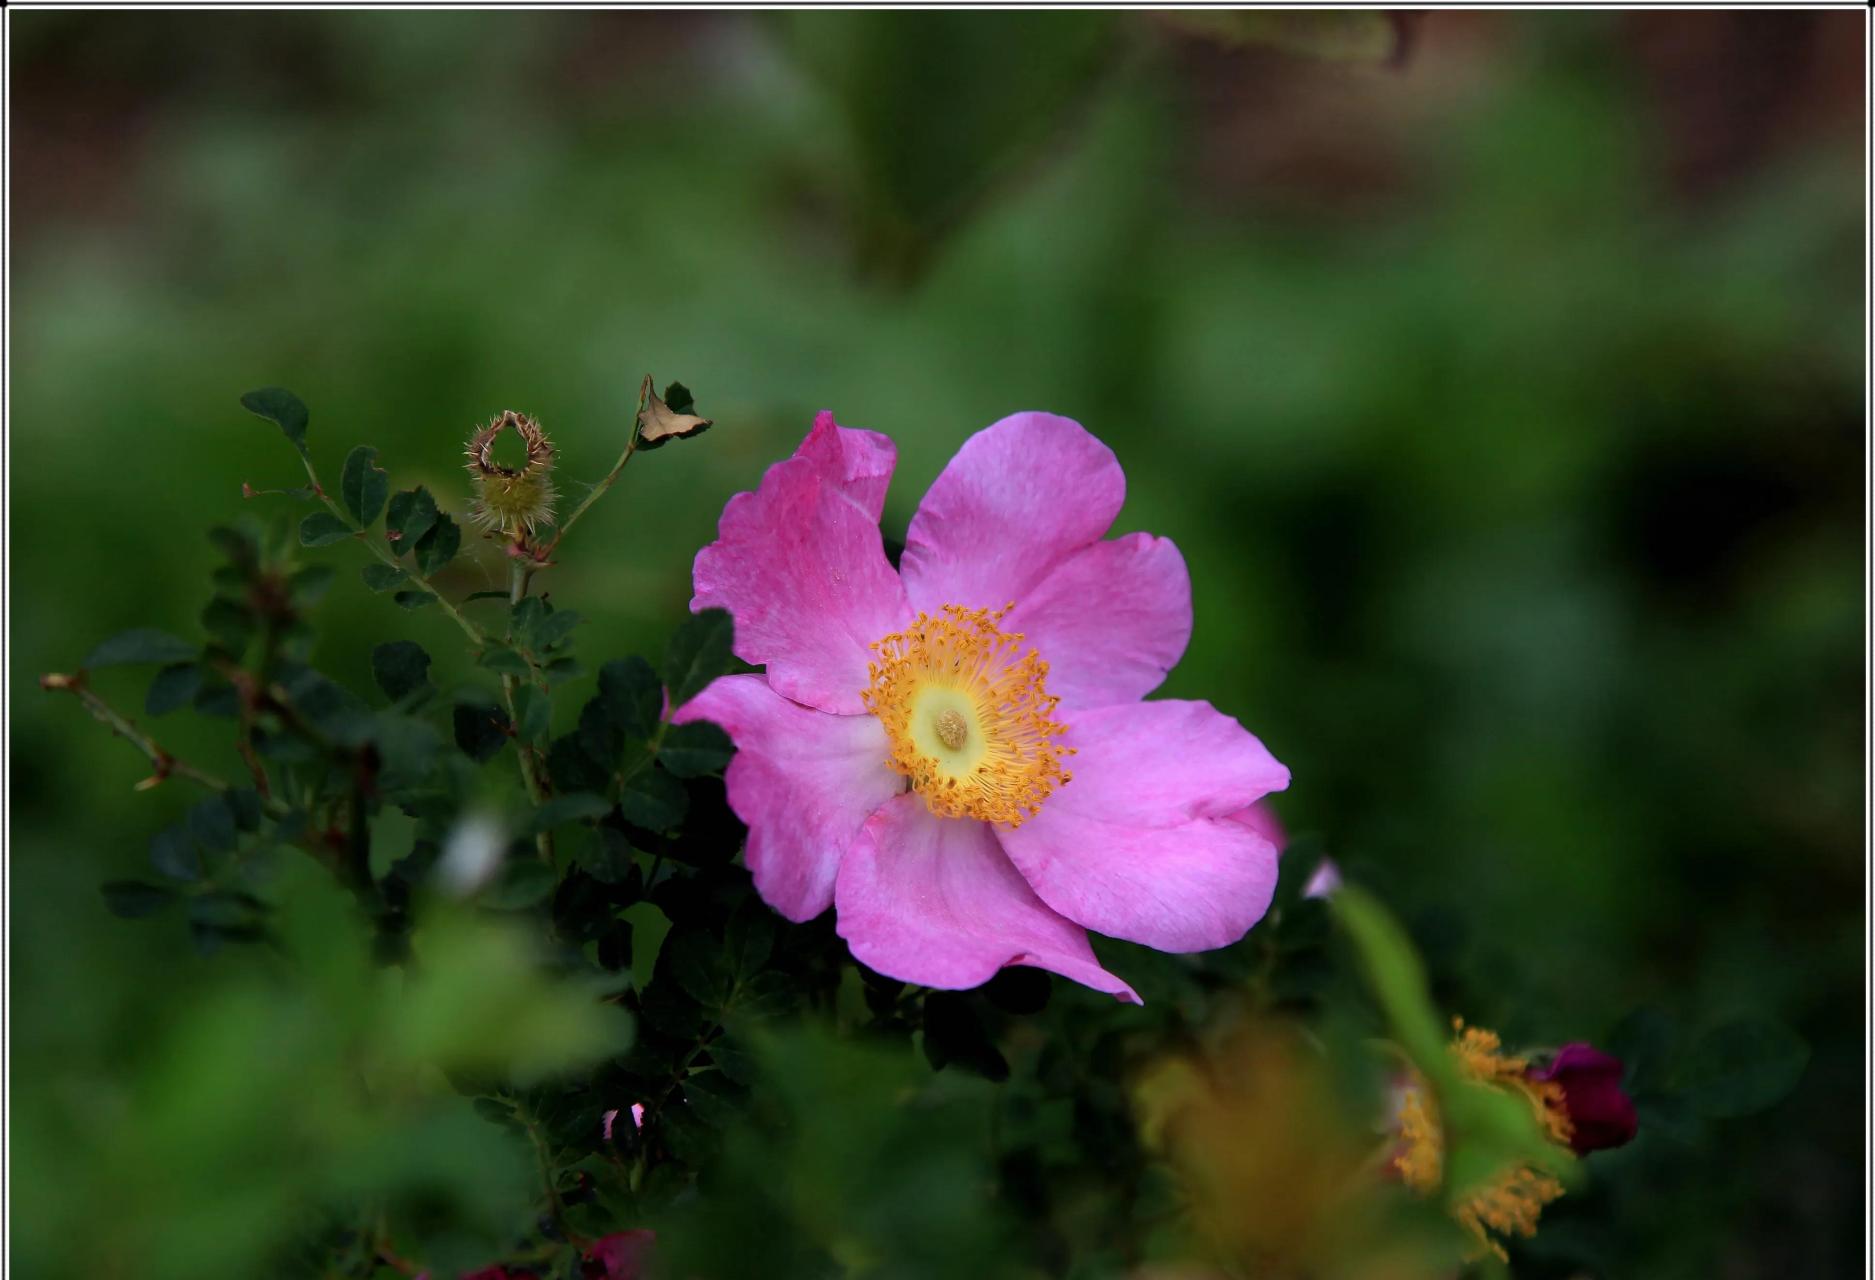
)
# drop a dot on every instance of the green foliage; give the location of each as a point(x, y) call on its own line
point(698, 653)
point(364, 486)
point(143, 644)
point(411, 515)
point(283, 409)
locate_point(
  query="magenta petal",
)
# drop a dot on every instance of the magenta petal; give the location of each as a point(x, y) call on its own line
point(934, 901)
point(802, 569)
point(804, 782)
point(1020, 497)
point(860, 462)
point(1110, 620)
point(1143, 844)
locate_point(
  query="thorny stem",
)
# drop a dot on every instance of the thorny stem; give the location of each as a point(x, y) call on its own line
point(165, 764)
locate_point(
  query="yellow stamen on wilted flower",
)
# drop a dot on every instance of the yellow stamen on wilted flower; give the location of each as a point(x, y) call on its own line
point(969, 716)
point(1510, 1203)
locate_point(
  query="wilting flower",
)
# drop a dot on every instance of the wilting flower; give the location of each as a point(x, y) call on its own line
point(511, 500)
point(1276, 1164)
point(955, 755)
point(1511, 1202)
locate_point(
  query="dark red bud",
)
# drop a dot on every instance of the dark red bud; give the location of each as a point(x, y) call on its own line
point(1600, 1114)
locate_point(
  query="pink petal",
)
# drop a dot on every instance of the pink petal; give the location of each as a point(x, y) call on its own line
point(1261, 818)
point(803, 571)
point(1110, 620)
point(860, 462)
point(1019, 498)
point(1139, 845)
point(934, 901)
point(804, 782)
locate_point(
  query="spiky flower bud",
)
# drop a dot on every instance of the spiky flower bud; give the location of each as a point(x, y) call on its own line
point(508, 500)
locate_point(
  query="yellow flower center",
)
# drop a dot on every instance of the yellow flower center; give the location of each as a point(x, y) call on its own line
point(967, 713)
point(1511, 1202)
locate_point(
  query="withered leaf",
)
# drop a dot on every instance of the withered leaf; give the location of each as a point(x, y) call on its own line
point(659, 423)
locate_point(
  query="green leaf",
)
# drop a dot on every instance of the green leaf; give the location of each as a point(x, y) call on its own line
point(211, 823)
point(174, 686)
point(363, 486)
point(533, 712)
point(560, 670)
point(716, 1099)
point(406, 751)
point(282, 408)
point(749, 938)
point(480, 731)
point(439, 546)
point(244, 804)
point(607, 859)
point(632, 697)
point(142, 644)
point(698, 965)
point(1399, 983)
point(414, 599)
point(382, 577)
point(1743, 1067)
point(132, 899)
point(173, 852)
point(573, 766)
point(652, 799)
point(229, 624)
point(322, 528)
point(769, 994)
point(698, 653)
point(695, 749)
point(504, 661)
point(239, 546)
point(524, 616)
point(560, 810)
point(400, 667)
point(555, 628)
point(412, 514)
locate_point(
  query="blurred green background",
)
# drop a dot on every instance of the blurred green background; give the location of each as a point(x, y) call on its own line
point(1504, 397)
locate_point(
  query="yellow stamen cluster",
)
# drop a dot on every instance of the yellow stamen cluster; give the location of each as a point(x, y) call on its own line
point(969, 716)
point(1510, 1203)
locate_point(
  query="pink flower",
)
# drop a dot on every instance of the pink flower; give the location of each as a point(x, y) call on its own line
point(955, 755)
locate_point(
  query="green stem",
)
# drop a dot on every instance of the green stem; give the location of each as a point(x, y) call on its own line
point(598, 490)
point(469, 628)
point(524, 751)
point(165, 764)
